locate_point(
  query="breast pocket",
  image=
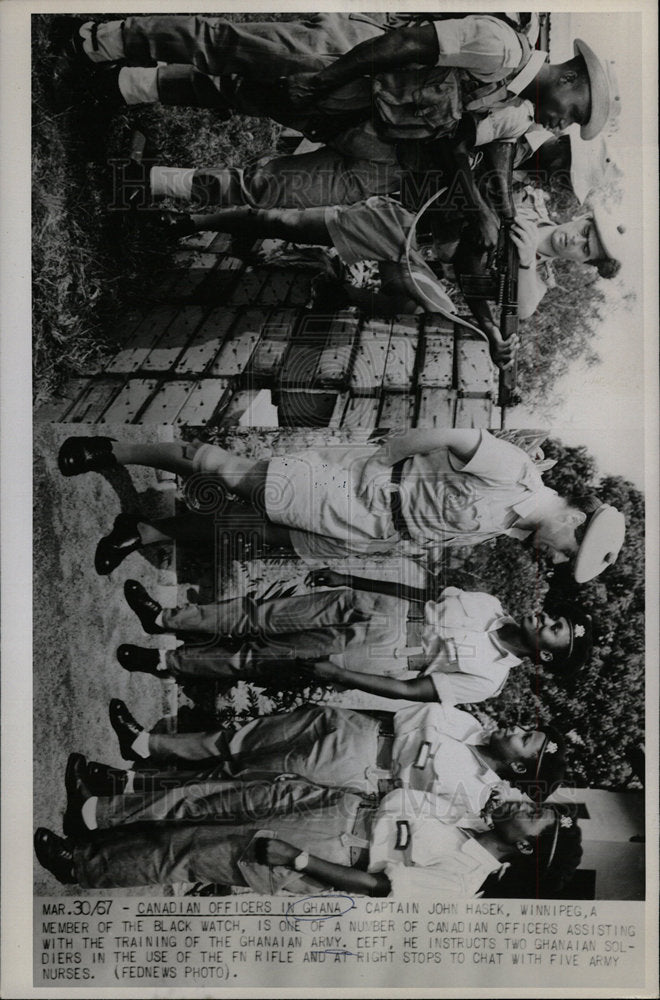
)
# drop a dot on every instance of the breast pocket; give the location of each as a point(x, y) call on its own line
point(439, 102)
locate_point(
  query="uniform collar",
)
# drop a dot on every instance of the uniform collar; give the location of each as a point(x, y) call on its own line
point(529, 71)
point(478, 738)
point(506, 656)
point(466, 600)
point(473, 849)
point(487, 772)
point(524, 508)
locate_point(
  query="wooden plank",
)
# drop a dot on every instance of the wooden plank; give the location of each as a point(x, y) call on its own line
point(400, 363)
point(55, 409)
point(126, 325)
point(178, 283)
point(207, 399)
point(188, 282)
point(167, 402)
point(196, 260)
point(405, 326)
point(362, 411)
point(334, 365)
point(474, 411)
point(127, 405)
point(314, 328)
point(221, 243)
point(475, 370)
point(397, 410)
point(159, 288)
point(299, 367)
point(276, 287)
point(206, 342)
point(437, 368)
point(271, 349)
point(91, 405)
point(436, 324)
point(335, 360)
point(226, 275)
point(343, 323)
point(131, 357)
point(246, 291)
point(436, 408)
point(146, 336)
point(229, 263)
point(337, 415)
point(267, 358)
point(238, 348)
point(281, 324)
point(370, 357)
point(174, 340)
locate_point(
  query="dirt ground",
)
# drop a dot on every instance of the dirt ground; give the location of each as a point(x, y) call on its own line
point(80, 618)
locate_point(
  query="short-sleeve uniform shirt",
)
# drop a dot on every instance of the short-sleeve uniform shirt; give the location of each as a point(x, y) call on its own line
point(420, 853)
point(468, 502)
point(436, 749)
point(484, 45)
point(490, 50)
point(465, 659)
point(343, 496)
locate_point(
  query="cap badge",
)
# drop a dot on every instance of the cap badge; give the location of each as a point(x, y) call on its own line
point(579, 631)
point(551, 747)
point(566, 822)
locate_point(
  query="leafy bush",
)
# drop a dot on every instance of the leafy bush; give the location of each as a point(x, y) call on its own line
point(603, 709)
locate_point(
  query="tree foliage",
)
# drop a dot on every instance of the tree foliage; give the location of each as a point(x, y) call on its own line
point(560, 333)
point(603, 707)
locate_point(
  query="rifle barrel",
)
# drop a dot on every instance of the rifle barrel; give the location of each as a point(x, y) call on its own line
point(502, 157)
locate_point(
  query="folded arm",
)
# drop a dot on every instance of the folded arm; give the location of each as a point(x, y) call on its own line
point(416, 689)
point(461, 443)
point(279, 852)
point(414, 44)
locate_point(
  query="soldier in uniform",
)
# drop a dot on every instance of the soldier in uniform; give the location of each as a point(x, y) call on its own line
point(430, 748)
point(469, 644)
point(380, 229)
point(413, 495)
point(370, 101)
point(288, 835)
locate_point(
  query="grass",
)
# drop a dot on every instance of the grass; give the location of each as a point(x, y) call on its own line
point(91, 264)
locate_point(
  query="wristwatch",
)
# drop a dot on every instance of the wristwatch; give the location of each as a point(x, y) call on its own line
point(301, 861)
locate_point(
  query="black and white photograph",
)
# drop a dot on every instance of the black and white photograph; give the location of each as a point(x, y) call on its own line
point(339, 664)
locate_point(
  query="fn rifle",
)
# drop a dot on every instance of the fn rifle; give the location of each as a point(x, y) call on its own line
point(502, 284)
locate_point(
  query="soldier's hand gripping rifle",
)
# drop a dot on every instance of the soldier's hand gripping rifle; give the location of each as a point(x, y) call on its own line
point(502, 285)
point(507, 261)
